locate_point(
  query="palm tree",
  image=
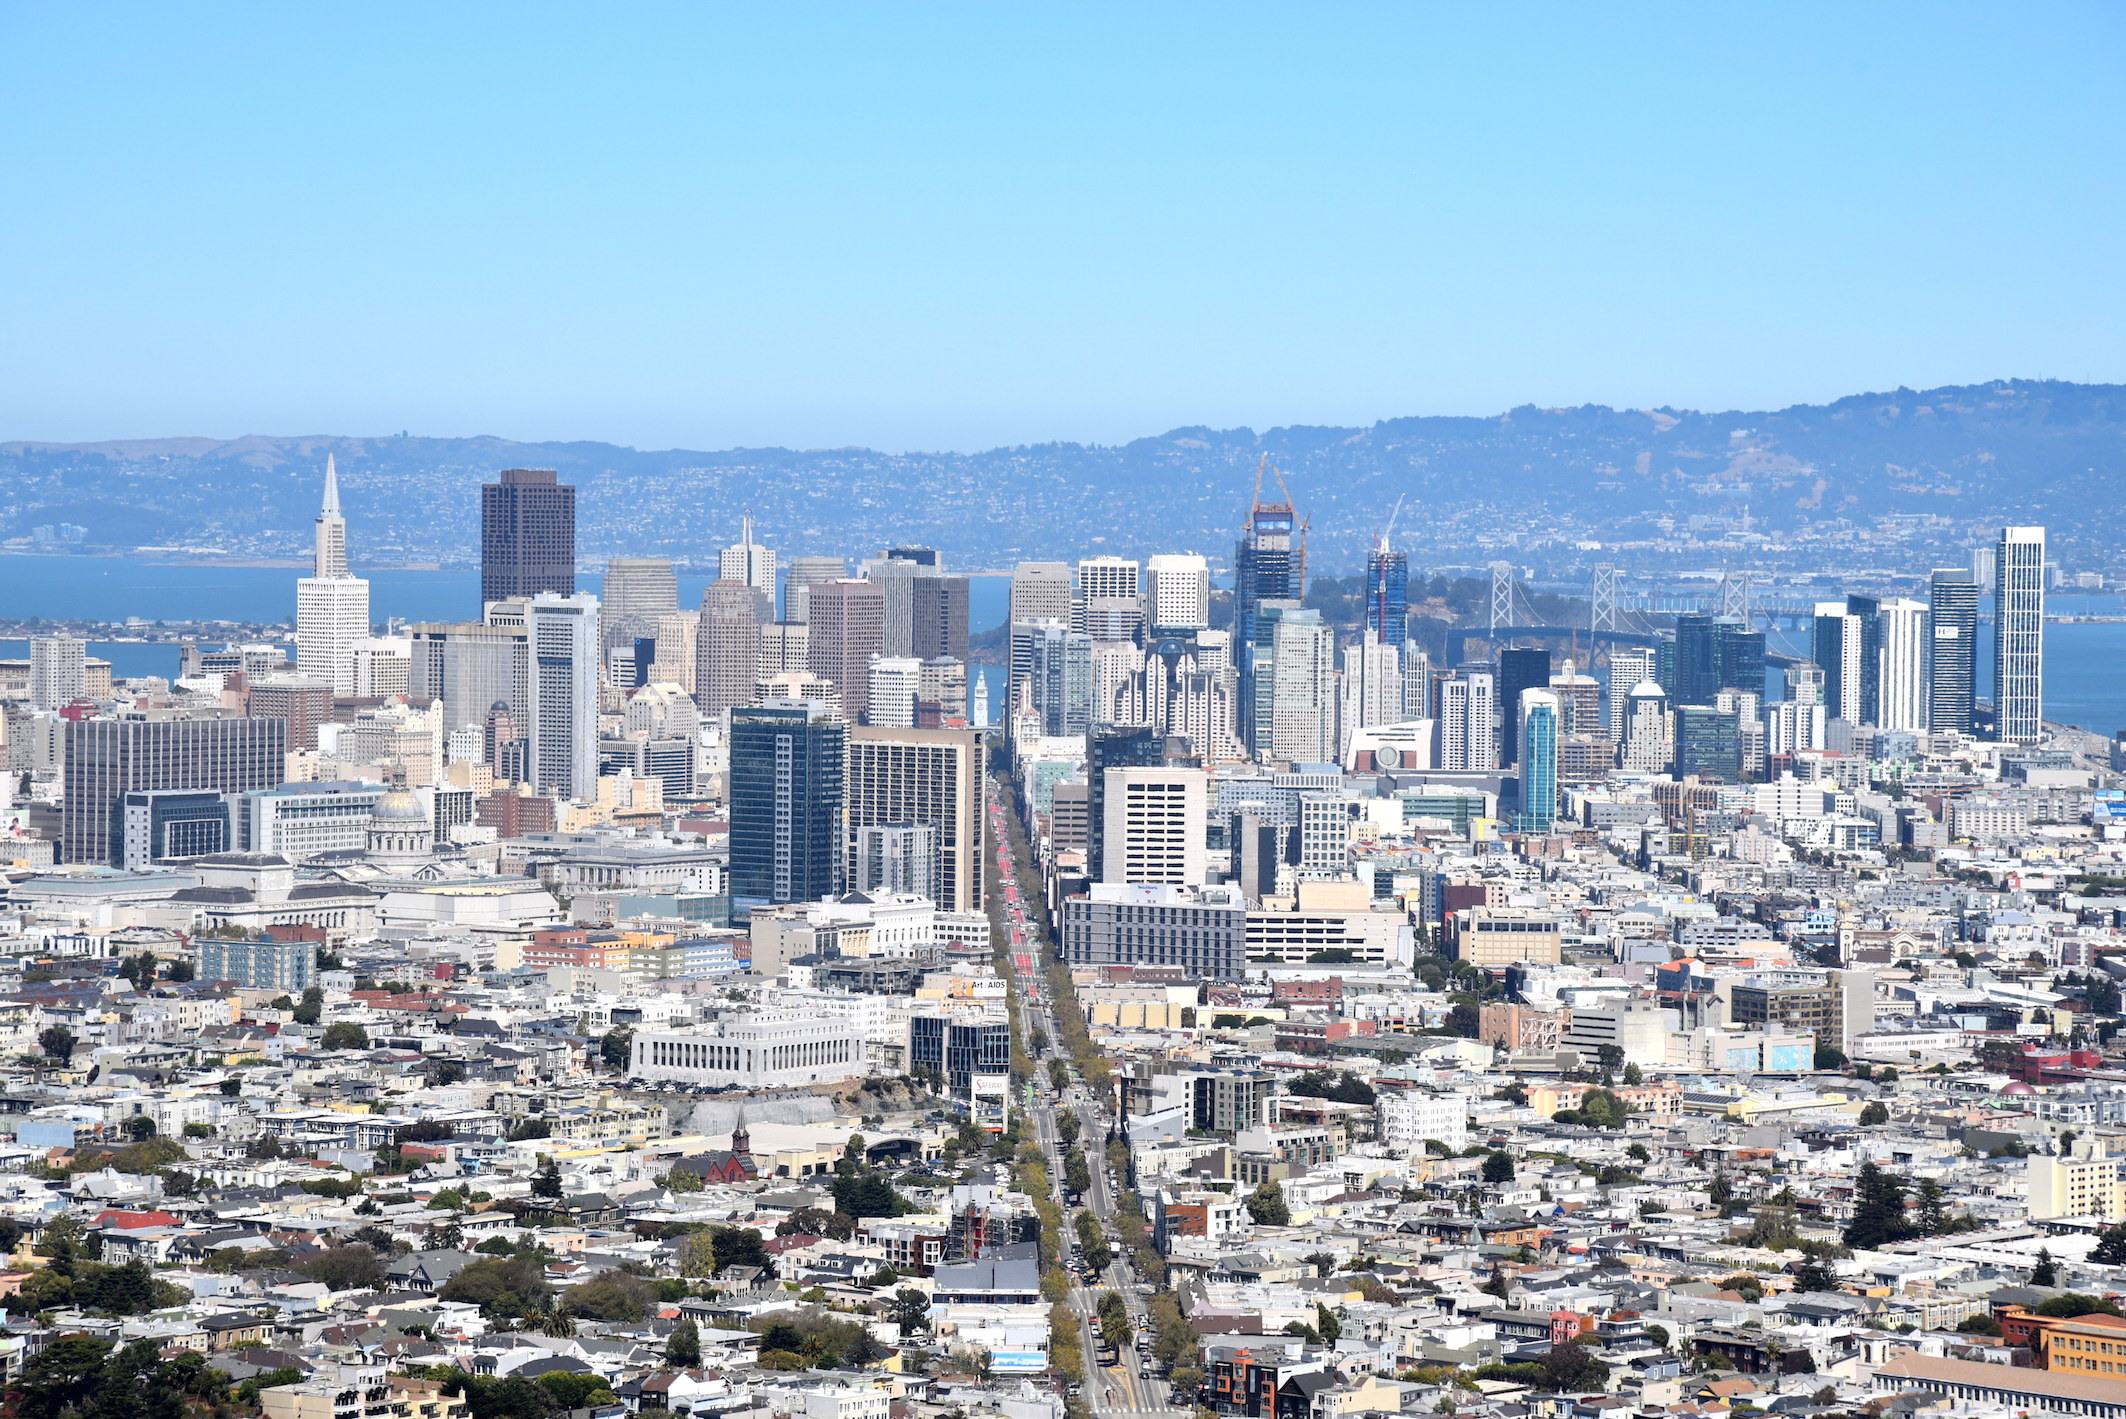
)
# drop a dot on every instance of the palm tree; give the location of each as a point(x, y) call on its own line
point(558, 1322)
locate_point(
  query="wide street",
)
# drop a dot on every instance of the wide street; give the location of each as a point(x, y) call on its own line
point(1124, 1390)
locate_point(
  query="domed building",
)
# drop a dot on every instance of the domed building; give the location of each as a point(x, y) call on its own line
point(401, 836)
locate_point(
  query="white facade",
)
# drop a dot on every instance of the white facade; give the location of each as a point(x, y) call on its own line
point(303, 821)
point(1303, 692)
point(1626, 669)
point(757, 1051)
point(1177, 592)
point(1109, 576)
point(2019, 635)
point(331, 620)
point(561, 709)
point(1152, 827)
point(1410, 1116)
point(1647, 730)
point(1370, 691)
point(748, 562)
point(1467, 724)
point(896, 682)
point(383, 667)
point(59, 672)
point(1901, 695)
point(1842, 680)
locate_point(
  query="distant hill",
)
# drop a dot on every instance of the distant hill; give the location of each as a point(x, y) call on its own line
point(1876, 479)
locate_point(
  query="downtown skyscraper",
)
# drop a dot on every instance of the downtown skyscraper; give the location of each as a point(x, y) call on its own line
point(1952, 668)
point(527, 535)
point(1267, 566)
point(2019, 635)
point(331, 606)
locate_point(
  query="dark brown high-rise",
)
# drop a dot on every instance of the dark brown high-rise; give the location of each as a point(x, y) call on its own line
point(527, 535)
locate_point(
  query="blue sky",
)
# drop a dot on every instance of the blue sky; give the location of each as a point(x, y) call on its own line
point(954, 227)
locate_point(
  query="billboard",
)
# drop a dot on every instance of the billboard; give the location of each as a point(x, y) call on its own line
point(1018, 1362)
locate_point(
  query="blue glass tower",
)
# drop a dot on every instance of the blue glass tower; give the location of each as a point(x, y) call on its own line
point(1388, 596)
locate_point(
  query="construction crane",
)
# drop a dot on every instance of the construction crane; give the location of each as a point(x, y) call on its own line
point(1381, 543)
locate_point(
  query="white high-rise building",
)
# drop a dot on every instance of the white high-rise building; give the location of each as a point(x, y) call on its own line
point(748, 562)
point(331, 620)
point(1901, 686)
point(1626, 669)
point(1370, 690)
point(2019, 635)
point(561, 705)
point(1649, 731)
point(59, 672)
point(1467, 720)
point(896, 682)
point(1152, 828)
point(1107, 576)
point(1841, 649)
point(331, 607)
point(1303, 693)
point(383, 667)
point(1177, 592)
point(328, 544)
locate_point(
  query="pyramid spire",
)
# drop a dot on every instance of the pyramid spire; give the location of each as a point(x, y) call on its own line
point(329, 558)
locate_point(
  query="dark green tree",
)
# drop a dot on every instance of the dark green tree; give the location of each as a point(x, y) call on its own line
point(682, 1349)
point(546, 1182)
point(1814, 1274)
point(2047, 1271)
point(343, 1034)
point(1266, 1205)
point(1498, 1168)
point(1878, 1210)
point(312, 1007)
point(2110, 1246)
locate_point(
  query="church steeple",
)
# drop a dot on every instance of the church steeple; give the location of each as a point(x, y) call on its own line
point(329, 556)
point(741, 1136)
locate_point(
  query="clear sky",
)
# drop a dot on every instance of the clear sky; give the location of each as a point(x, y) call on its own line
point(927, 226)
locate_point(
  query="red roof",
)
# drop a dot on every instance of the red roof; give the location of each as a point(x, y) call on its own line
point(127, 1221)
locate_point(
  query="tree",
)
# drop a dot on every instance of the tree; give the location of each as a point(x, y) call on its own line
point(616, 1046)
point(1267, 1207)
point(343, 1034)
point(1326, 1325)
point(910, 1310)
point(345, 1268)
point(504, 1286)
point(682, 1349)
point(2110, 1246)
point(1633, 1076)
point(1814, 1274)
point(140, 1128)
point(1878, 1210)
point(1933, 1209)
point(1571, 1369)
point(682, 1180)
point(1498, 1168)
point(1980, 1324)
point(612, 1296)
point(2047, 1271)
point(1829, 1057)
point(57, 1042)
point(1873, 1113)
point(312, 1007)
point(546, 1182)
